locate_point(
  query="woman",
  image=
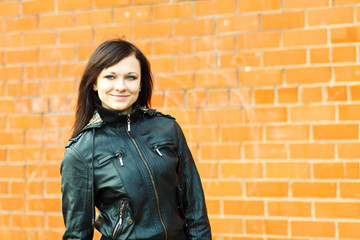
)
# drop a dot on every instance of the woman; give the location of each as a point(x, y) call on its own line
point(130, 162)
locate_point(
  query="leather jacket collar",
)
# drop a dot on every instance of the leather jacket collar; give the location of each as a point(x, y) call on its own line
point(113, 117)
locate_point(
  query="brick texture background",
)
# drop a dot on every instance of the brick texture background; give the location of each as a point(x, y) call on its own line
point(267, 92)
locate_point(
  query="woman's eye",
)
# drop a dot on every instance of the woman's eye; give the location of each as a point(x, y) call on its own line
point(109, 77)
point(131, 77)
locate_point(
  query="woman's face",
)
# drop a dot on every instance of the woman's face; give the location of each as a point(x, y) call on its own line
point(118, 86)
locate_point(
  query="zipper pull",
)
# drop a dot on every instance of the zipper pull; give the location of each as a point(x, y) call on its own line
point(158, 151)
point(121, 160)
point(128, 122)
point(120, 220)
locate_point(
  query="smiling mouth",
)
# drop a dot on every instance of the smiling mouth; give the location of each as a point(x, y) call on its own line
point(119, 96)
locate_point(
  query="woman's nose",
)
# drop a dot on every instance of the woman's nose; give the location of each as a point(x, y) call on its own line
point(120, 85)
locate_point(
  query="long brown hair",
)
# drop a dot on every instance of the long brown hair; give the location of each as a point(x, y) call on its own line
point(106, 55)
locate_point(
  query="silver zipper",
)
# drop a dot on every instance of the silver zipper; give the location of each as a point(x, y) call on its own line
point(128, 122)
point(121, 160)
point(156, 148)
point(121, 216)
point(153, 182)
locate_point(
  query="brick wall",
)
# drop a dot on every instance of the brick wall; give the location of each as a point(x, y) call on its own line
point(267, 92)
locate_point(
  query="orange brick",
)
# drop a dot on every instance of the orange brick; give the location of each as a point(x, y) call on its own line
point(337, 210)
point(220, 116)
point(335, 54)
point(240, 97)
point(55, 21)
point(304, 37)
point(11, 138)
point(222, 188)
point(336, 93)
point(330, 16)
point(76, 36)
point(44, 204)
point(94, 17)
point(289, 209)
point(84, 51)
point(58, 87)
point(266, 227)
point(255, 40)
point(43, 170)
point(265, 114)
point(29, 220)
point(287, 95)
point(201, 134)
point(65, 5)
point(174, 81)
point(218, 98)
point(194, 27)
point(39, 105)
point(312, 229)
point(23, 89)
point(266, 189)
point(35, 188)
point(284, 57)
point(237, 23)
point(12, 171)
point(287, 132)
point(22, 56)
point(53, 153)
point(8, 9)
point(313, 189)
point(174, 99)
point(240, 60)
point(243, 208)
point(72, 69)
point(241, 170)
point(260, 77)
point(18, 187)
point(172, 11)
point(21, 24)
point(216, 79)
point(157, 100)
point(288, 170)
point(207, 170)
point(183, 115)
point(147, 1)
point(214, 43)
point(311, 94)
point(196, 98)
point(240, 133)
point(25, 154)
point(37, 6)
point(39, 38)
point(339, 2)
point(47, 234)
point(22, 106)
point(226, 225)
point(11, 73)
point(7, 106)
point(335, 131)
point(312, 151)
point(12, 203)
point(214, 7)
point(111, 3)
point(111, 32)
point(336, 170)
point(25, 121)
point(265, 151)
point(57, 54)
point(9, 40)
point(349, 230)
point(312, 113)
point(42, 137)
point(162, 65)
point(357, 14)
point(153, 30)
point(264, 96)
point(290, 4)
point(258, 5)
point(131, 14)
point(173, 46)
point(349, 189)
point(345, 34)
point(58, 103)
point(5, 220)
point(219, 151)
point(347, 73)
point(195, 62)
point(282, 20)
point(55, 221)
point(58, 120)
point(349, 150)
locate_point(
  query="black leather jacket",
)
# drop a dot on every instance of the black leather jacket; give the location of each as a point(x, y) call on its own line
point(139, 173)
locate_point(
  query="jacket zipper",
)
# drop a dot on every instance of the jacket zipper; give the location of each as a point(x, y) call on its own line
point(121, 216)
point(121, 160)
point(156, 148)
point(151, 177)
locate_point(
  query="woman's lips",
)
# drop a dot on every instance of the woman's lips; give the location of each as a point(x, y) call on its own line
point(119, 96)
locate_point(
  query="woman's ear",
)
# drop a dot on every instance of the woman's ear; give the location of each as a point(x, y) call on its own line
point(95, 87)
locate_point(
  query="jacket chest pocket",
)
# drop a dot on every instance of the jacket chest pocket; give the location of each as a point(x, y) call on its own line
point(165, 148)
point(118, 223)
point(114, 156)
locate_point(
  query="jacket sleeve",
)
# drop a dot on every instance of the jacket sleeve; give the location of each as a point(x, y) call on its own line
point(193, 200)
point(76, 197)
